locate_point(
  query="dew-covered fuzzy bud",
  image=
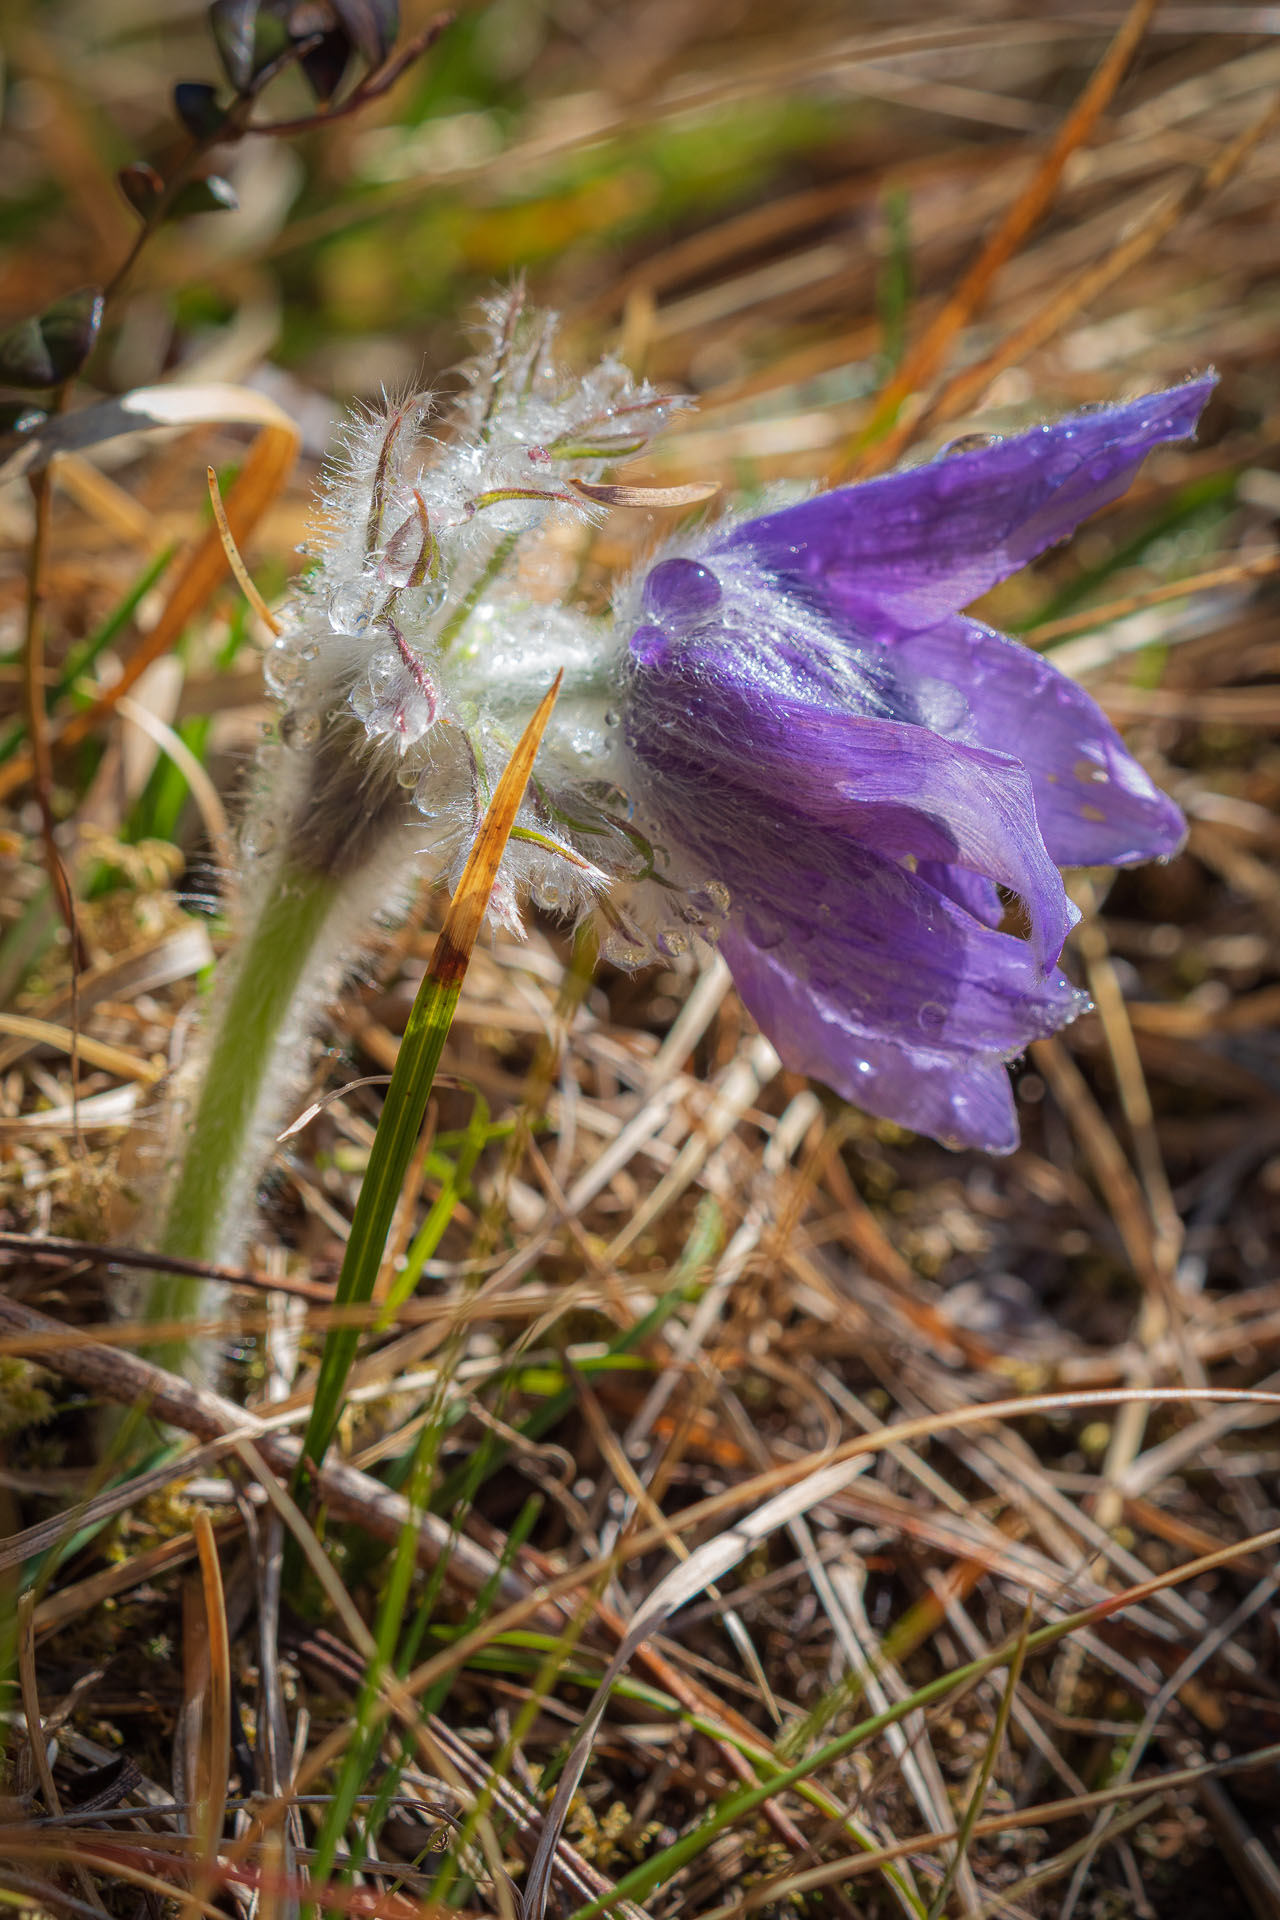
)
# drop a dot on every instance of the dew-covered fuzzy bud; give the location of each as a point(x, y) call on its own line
point(410, 659)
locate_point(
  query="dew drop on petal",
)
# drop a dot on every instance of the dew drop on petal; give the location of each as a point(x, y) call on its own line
point(649, 646)
point(682, 594)
point(714, 896)
point(623, 949)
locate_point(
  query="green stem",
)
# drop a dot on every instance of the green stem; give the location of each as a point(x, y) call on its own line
point(222, 1144)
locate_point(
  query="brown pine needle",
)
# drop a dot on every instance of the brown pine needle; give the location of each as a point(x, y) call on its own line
point(1103, 616)
point(235, 559)
point(922, 362)
point(963, 392)
point(215, 1731)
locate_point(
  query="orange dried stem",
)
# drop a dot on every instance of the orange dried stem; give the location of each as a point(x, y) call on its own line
point(235, 559)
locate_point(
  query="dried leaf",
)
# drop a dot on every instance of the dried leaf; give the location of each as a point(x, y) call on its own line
point(263, 472)
point(613, 494)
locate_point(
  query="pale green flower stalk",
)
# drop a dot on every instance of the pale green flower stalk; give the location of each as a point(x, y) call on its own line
point(408, 663)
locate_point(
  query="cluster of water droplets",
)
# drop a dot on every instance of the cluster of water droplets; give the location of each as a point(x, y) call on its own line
point(415, 652)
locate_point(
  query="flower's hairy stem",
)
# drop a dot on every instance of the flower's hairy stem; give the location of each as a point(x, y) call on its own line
point(222, 1143)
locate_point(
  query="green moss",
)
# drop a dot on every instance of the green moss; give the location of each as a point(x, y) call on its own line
point(24, 1400)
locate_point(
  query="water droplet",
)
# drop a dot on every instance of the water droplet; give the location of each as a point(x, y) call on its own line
point(301, 728)
point(650, 646)
point(282, 670)
point(259, 837)
point(349, 607)
point(673, 942)
point(715, 895)
point(970, 443)
point(932, 1016)
point(682, 594)
point(623, 948)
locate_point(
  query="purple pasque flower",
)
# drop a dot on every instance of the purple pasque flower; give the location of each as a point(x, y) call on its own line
point(871, 775)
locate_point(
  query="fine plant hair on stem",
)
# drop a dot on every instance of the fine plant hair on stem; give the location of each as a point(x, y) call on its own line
point(406, 665)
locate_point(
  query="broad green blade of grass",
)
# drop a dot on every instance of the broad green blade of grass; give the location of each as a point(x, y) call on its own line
point(406, 1103)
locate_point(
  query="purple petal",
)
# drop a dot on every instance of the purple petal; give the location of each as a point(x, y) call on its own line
point(916, 545)
point(962, 1104)
point(880, 985)
point(898, 789)
point(1094, 803)
point(976, 895)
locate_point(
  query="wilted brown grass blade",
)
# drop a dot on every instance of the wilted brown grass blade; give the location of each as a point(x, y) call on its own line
point(922, 361)
point(470, 903)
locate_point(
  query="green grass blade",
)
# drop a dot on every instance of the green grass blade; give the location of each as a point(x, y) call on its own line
point(406, 1103)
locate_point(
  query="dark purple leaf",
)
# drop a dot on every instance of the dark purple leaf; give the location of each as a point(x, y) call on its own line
point(196, 105)
point(370, 25)
point(325, 63)
point(233, 24)
point(141, 186)
point(52, 346)
point(252, 34)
